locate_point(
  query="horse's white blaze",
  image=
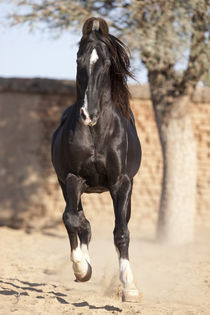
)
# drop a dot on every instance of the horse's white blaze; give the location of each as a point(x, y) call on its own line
point(84, 110)
point(85, 104)
point(93, 58)
point(126, 275)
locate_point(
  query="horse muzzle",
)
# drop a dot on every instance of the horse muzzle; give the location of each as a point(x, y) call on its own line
point(87, 120)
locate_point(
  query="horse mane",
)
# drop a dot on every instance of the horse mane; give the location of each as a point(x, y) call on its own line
point(120, 62)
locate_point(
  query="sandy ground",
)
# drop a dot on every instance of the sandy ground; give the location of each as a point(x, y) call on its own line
point(36, 275)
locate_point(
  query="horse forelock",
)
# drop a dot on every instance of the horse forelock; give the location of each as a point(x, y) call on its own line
point(95, 24)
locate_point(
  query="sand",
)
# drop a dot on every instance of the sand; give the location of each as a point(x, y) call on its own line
point(36, 275)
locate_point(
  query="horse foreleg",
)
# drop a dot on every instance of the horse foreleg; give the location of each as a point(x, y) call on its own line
point(121, 195)
point(81, 265)
point(84, 233)
point(74, 224)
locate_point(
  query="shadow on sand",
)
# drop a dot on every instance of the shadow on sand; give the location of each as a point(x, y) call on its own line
point(24, 288)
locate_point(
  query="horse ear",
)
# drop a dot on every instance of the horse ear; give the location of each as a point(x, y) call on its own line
point(103, 27)
point(95, 24)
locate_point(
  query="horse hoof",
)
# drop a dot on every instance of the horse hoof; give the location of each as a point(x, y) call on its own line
point(81, 277)
point(130, 295)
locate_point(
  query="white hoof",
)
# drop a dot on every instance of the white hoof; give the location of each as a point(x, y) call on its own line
point(130, 295)
point(82, 274)
point(81, 266)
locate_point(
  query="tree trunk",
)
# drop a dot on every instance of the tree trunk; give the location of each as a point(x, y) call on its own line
point(177, 204)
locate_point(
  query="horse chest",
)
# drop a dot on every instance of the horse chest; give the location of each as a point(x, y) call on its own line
point(95, 173)
point(88, 160)
point(94, 164)
point(95, 157)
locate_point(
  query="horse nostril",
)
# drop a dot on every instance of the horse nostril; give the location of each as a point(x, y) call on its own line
point(85, 116)
point(84, 113)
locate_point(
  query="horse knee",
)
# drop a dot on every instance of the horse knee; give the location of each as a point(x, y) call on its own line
point(75, 186)
point(71, 221)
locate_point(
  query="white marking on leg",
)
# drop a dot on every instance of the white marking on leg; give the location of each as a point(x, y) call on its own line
point(80, 264)
point(85, 252)
point(129, 291)
point(126, 275)
point(76, 255)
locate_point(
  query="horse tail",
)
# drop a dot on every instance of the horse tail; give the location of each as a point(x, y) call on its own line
point(95, 24)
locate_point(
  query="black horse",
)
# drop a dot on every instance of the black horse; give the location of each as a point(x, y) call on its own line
point(96, 147)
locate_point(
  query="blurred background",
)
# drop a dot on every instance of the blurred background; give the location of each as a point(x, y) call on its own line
point(43, 54)
point(170, 57)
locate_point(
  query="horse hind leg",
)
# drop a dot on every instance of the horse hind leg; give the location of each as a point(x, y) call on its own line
point(74, 224)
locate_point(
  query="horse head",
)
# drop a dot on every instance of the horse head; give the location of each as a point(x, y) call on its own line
point(93, 70)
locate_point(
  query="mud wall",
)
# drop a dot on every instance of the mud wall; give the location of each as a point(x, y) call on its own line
point(30, 110)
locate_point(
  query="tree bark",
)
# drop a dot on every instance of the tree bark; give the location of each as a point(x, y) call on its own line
point(177, 203)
